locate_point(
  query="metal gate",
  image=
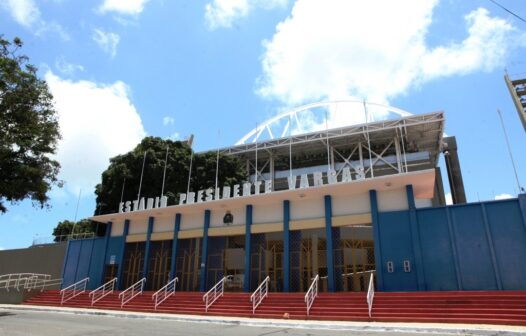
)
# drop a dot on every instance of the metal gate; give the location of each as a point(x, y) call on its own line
point(133, 263)
point(188, 264)
point(159, 264)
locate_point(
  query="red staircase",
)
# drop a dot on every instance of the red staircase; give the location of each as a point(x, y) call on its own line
point(492, 307)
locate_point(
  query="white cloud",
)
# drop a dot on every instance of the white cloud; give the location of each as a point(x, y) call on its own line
point(107, 41)
point(503, 196)
point(97, 122)
point(449, 199)
point(25, 12)
point(1, 248)
point(374, 50)
point(222, 13)
point(127, 7)
point(175, 136)
point(168, 121)
point(67, 68)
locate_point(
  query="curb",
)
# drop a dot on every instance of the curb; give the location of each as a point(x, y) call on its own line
point(433, 328)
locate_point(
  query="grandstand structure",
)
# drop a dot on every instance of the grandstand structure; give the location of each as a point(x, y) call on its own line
point(348, 207)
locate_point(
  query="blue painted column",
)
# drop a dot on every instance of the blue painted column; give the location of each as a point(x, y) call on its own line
point(106, 243)
point(328, 237)
point(453, 242)
point(120, 271)
point(177, 227)
point(377, 246)
point(491, 246)
point(204, 253)
point(248, 224)
point(415, 238)
point(286, 246)
point(147, 247)
point(522, 206)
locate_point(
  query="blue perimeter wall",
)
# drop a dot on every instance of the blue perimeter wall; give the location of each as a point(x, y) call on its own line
point(476, 246)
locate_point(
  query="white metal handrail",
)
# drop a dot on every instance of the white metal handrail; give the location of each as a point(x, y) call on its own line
point(259, 294)
point(73, 290)
point(103, 290)
point(370, 293)
point(15, 280)
point(361, 272)
point(33, 283)
point(215, 292)
point(165, 292)
point(132, 292)
point(312, 293)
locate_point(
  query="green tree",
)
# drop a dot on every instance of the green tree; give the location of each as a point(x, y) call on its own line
point(63, 230)
point(122, 177)
point(29, 130)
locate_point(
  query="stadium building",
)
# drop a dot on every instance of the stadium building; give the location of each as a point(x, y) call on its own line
point(341, 203)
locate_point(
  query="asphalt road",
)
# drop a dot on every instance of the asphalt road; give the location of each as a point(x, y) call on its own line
point(16, 322)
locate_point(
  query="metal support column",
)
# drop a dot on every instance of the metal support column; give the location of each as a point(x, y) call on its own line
point(328, 234)
point(120, 271)
point(248, 224)
point(147, 247)
point(286, 246)
point(177, 227)
point(204, 254)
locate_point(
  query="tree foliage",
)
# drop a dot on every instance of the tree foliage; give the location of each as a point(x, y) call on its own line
point(122, 177)
point(64, 229)
point(29, 130)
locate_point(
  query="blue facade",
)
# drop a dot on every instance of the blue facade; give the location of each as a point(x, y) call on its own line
point(477, 246)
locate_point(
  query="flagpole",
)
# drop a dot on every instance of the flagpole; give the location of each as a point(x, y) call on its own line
point(142, 172)
point(368, 138)
point(290, 147)
point(190, 170)
point(256, 165)
point(217, 159)
point(164, 173)
point(122, 191)
point(521, 189)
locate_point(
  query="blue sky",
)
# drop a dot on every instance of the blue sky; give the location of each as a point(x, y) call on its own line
point(123, 69)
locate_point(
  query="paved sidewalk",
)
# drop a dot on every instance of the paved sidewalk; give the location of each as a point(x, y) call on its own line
point(435, 328)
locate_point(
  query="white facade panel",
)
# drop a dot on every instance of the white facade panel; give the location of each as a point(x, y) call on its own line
point(117, 228)
point(267, 213)
point(307, 209)
point(138, 226)
point(192, 221)
point(350, 205)
point(392, 200)
point(163, 224)
point(423, 202)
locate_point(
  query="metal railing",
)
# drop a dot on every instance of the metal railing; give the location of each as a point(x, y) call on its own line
point(165, 292)
point(37, 282)
point(216, 292)
point(259, 294)
point(15, 280)
point(102, 291)
point(312, 293)
point(356, 273)
point(73, 290)
point(61, 238)
point(370, 294)
point(132, 292)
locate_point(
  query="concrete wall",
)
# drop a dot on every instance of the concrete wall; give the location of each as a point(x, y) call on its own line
point(45, 259)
